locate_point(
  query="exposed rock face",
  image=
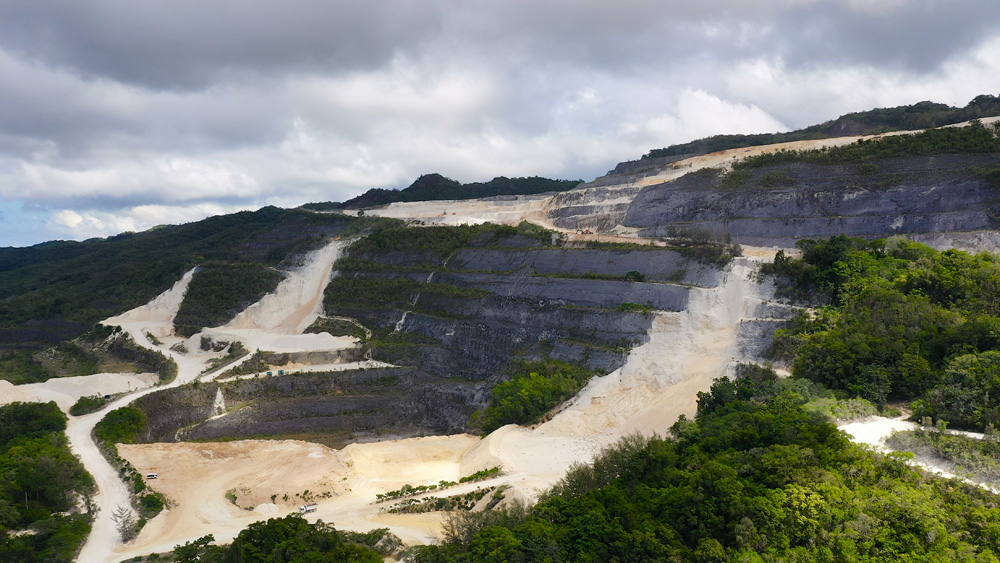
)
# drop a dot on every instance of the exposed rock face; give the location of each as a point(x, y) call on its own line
point(347, 405)
point(777, 205)
point(538, 300)
point(596, 208)
point(527, 300)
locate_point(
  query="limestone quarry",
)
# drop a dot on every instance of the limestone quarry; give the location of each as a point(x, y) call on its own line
point(704, 321)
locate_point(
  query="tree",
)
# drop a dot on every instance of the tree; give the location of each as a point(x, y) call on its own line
point(125, 523)
point(634, 276)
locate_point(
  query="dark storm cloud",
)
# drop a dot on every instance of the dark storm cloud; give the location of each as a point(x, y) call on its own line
point(113, 112)
point(190, 43)
point(918, 35)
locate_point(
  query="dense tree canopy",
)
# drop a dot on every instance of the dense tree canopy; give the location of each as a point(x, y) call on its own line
point(41, 484)
point(902, 322)
point(753, 478)
point(288, 540)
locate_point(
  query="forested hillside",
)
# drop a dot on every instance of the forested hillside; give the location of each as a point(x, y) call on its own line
point(43, 486)
point(54, 292)
point(902, 322)
point(754, 477)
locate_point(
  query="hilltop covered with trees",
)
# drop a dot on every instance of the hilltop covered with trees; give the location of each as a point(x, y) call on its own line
point(54, 292)
point(921, 115)
point(434, 187)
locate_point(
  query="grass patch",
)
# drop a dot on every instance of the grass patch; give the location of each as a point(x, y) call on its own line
point(628, 307)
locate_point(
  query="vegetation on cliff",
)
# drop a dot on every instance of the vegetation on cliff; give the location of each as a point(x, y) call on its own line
point(42, 485)
point(534, 389)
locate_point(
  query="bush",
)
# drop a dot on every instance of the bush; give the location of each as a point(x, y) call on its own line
point(121, 426)
point(87, 405)
point(534, 389)
point(634, 276)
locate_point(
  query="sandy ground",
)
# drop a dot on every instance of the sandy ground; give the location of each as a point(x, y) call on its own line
point(65, 391)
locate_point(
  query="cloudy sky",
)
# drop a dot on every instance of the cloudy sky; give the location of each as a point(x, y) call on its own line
point(120, 116)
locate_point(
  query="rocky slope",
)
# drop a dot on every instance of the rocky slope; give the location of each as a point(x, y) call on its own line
point(452, 319)
point(941, 195)
point(777, 205)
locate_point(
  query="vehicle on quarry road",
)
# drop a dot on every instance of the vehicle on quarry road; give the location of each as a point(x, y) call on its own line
point(307, 508)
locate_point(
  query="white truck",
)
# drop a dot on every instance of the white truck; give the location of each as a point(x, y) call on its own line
point(307, 508)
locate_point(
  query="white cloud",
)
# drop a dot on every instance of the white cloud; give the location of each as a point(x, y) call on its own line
point(700, 114)
point(67, 223)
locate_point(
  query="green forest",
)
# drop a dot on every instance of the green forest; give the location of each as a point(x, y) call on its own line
point(922, 115)
point(290, 539)
point(975, 138)
point(218, 292)
point(899, 321)
point(754, 477)
point(41, 482)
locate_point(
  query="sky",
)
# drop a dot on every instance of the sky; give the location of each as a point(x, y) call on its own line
point(120, 116)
